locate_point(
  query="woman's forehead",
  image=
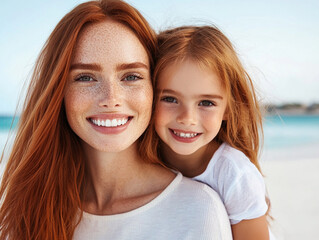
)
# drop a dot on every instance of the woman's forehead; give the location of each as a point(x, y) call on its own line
point(109, 40)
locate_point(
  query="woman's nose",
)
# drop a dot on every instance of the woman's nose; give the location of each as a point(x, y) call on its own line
point(187, 116)
point(111, 94)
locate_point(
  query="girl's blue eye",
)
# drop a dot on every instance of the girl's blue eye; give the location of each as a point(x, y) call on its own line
point(206, 103)
point(84, 78)
point(169, 99)
point(132, 78)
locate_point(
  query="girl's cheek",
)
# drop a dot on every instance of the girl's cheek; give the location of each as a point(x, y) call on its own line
point(160, 112)
point(165, 113)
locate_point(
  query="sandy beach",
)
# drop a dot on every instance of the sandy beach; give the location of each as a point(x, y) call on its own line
point(293, 184)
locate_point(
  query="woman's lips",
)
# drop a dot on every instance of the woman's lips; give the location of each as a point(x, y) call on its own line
point(110, 123)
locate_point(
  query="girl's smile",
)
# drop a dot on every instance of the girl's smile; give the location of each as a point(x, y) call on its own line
point(190, 107)
point(184, 136)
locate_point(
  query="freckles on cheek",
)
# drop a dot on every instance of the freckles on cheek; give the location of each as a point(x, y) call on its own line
point(69, 106)
point(141, 97)
point(74, 101)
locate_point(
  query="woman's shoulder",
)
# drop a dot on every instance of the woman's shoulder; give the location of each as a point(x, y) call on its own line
point(184, 191)
point(201, 206)
point(198, 198)
point(198, 189)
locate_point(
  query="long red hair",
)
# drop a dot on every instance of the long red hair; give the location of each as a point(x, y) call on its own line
point(43, 182)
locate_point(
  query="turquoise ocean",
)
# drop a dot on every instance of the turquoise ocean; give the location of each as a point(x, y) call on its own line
point(285, 133)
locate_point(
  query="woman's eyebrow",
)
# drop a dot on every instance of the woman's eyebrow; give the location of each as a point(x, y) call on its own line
point(97, 67)
point(125, 66)
point(86, 66)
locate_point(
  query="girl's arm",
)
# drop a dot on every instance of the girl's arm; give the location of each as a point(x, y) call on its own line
point(252, 229)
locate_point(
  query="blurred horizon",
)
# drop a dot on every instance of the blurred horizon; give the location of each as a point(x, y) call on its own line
point(277, 41)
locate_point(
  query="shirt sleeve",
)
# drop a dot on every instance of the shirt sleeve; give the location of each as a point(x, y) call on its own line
point(245, 196)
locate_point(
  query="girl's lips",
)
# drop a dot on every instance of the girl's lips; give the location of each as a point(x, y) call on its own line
point(184, 136)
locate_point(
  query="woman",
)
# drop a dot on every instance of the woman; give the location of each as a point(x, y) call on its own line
point(82, 172)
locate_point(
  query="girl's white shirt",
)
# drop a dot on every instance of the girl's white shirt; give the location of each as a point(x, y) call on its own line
point(238, 182)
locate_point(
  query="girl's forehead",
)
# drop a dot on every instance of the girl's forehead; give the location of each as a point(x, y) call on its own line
point(191, 78)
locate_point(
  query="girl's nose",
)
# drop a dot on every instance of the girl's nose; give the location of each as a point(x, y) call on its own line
point(187, 116)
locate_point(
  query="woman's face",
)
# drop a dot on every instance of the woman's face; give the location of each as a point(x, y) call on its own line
point(108, 98)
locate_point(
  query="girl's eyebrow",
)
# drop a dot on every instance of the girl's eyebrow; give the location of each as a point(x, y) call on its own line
point(208, 96)
point(211, 96)
point(167, 91)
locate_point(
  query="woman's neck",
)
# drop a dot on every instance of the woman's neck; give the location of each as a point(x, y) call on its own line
point(189, 165)
point(116, 181)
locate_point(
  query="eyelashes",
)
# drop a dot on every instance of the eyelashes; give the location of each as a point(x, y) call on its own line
point(132, 77)
point(207, 103)
point(169, 99)
point(203, 103)
point(85, 77)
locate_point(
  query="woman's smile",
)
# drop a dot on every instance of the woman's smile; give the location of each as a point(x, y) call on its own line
point(109, 99)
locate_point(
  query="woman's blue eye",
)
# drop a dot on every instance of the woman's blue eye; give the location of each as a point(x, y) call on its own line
point(206, 103)
point(132, 78)
point(84, 78)
point(169, 99)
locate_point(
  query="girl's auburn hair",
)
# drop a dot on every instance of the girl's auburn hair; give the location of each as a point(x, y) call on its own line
point(211, 49)
point(42, 186)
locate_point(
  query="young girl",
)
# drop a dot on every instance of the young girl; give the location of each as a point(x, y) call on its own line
point(208, 120)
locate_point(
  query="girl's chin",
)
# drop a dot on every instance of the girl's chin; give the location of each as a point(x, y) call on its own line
point(185, 152)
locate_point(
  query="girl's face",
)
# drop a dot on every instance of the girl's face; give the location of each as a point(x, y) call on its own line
point(108, 97)
point(190, 108)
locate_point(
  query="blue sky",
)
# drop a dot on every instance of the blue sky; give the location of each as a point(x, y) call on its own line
point(276, 40)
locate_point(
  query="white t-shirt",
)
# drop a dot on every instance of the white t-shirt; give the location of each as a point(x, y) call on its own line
point(238, 182)
point(184, 210)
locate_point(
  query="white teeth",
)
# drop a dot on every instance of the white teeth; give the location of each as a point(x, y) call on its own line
point(185, 135)
point(114, 123)
point(109, 122)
